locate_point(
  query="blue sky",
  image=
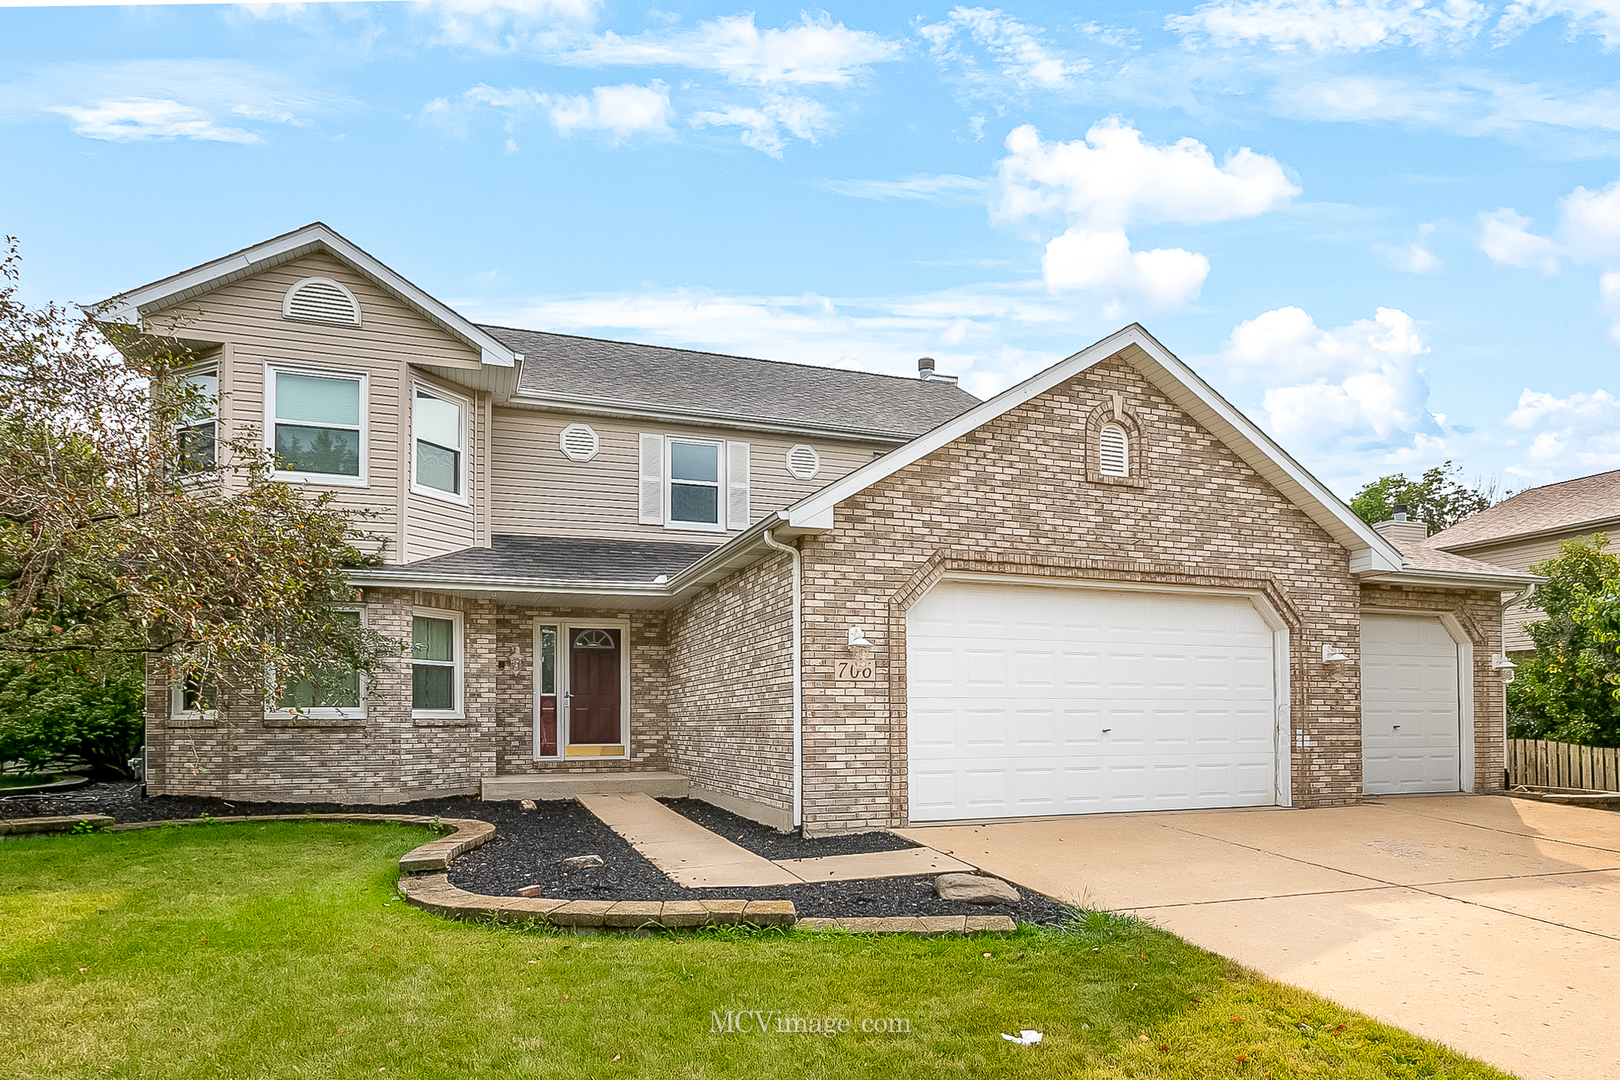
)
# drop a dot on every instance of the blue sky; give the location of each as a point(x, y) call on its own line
point(1389, 230)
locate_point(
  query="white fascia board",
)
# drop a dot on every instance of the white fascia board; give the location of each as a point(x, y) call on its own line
point(593, 406)
point(503, 583)
point(1452, 579)
point(1197, 396)
point(126, 306)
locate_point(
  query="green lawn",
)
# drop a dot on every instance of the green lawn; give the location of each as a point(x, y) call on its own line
point(280, 951)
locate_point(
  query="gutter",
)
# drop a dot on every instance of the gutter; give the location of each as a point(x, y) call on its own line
point(798, 673)
point(1451, 580)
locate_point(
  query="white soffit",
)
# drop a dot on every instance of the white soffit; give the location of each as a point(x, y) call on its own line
point(1178, 382)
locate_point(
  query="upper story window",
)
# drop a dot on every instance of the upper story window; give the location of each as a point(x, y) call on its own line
point(439, 427)
point(317, 427)
point(199, 430)
point(320, 299)
point(1113, 451)
point(689, 482)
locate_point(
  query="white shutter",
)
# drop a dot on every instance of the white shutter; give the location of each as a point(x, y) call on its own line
point(652, 479)
point(737, 485)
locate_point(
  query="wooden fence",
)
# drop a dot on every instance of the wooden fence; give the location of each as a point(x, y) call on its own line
point(1551, 764)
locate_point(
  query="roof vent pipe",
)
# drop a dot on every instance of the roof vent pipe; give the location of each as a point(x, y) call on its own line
point(925, 367)
point(1400, 511)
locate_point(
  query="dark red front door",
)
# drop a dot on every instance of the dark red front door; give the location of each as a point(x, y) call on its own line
point(593, 682)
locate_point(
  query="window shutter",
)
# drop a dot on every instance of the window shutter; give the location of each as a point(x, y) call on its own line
point(737, 485)
point(652, 479)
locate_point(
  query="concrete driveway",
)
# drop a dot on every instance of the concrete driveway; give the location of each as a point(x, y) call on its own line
point(1486, 923)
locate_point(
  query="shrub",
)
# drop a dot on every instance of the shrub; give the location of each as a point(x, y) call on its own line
point(58, 712)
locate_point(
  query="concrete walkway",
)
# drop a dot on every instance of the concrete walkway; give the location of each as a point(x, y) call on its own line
point(1489, 924)
point(699, 859)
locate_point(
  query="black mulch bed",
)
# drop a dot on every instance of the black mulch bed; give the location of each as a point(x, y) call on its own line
point(529, 847)
point(766, 841)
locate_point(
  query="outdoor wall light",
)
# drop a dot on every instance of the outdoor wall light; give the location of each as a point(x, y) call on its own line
point(1505, 666)
point(857, 639)
point(1333, 655)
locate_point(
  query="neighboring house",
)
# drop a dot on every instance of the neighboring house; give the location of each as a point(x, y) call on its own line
point(816, 596)
point(1527, 529)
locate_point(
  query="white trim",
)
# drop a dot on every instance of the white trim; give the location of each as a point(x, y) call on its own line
point(1465, 687)
point(271, 367)
point(458, 665)
point(297, 286)
point(1281, 665)
point(1180, 384)
point(720, 484)
point(328, 712)
point(565, 670)
point(464, 454)
point(316, 236)
point(177, 706)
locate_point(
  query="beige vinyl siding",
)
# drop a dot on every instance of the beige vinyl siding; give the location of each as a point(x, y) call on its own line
point(536, 491)
point(438, 526)
point(1520, 555)
point(247, 316)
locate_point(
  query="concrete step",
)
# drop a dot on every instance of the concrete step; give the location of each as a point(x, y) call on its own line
point(659, 785)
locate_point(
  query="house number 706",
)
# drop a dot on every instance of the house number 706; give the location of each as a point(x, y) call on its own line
point(855, 671)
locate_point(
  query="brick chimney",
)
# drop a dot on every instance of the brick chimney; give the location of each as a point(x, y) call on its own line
point(1401, 532)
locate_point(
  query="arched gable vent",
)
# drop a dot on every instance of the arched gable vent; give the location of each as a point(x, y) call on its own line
point(1113, 451)
point(320, 299)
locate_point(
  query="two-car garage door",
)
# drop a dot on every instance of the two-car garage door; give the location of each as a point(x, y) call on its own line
point(1028, 700)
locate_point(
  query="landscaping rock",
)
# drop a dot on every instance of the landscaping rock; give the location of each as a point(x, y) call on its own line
point(583, 862)
point(527, 804)
point(974, 889)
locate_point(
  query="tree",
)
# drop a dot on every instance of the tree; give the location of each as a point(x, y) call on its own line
point(130, 528)
point(1436, 498)
point(58, 712)
point(1570, 690)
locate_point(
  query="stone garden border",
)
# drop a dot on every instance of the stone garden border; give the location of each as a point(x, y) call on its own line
point(426, 885)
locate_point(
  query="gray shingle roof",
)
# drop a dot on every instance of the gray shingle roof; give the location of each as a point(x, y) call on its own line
point(1572, 503)
point(765, 391)
point(1425, 556)
point(558, 558)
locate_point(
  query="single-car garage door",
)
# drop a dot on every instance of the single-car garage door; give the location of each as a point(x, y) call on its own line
point(1410, 723)
point(1029, 699)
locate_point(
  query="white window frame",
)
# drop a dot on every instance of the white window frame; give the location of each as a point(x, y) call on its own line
point(459, 664)
point(721, 487)
point(329, 479)
point(211, 367)
point(465, 406)
point(177, 703)
point(327, 712)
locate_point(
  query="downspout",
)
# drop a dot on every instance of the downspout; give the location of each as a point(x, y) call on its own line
point(798, 676)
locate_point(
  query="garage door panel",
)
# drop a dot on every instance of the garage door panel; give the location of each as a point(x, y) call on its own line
point(1410, 706)
point(1103, 701)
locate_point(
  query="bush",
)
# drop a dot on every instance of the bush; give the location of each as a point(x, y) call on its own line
point(1567, 691)
point(56, 712)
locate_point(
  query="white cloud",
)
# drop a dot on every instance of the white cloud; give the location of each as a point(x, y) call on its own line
point(1589, 222)
point(504, 25)
point(1609, 302)
point(1505, 237)
point(1576, 434)
point(1412, 258)
point(1355, 390)
point(766, 126)
point(1588, 231)
point(932, 188)
point(1020, 57)
point(1597, 17)
point(1112, 179)
point(622, 110)
point(818, 51)
point(142, 119)
point(1331, 25)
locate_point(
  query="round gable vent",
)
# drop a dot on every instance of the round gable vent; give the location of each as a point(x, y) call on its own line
point(578, 442)
point(803, 462)
point(320, 299)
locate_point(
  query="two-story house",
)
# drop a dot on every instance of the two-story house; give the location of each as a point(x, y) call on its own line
point(813, 596)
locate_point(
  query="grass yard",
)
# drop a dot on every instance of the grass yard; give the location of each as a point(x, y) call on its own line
point(279, 950)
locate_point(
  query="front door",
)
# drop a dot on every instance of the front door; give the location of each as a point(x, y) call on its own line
point(595, 702)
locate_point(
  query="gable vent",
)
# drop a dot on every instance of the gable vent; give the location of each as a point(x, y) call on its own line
point(579, 442)
point(1113, 451)
point(321, 299)
point(803, 462)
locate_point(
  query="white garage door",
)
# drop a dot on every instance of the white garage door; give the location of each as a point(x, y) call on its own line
point(1026, 700)
point(1410, 730)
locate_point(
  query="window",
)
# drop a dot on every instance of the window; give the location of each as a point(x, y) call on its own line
point(198, 435)
point(694, 483)
point(1113, 451)
point(439, 425)
point(318, 427)
point(193, 696)
point(436, 664)
point(329, 692)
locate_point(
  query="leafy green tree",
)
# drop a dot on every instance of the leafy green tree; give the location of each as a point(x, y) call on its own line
point(123, 538)
point(62, 711)
point(1570, 690)
point(1437, 498)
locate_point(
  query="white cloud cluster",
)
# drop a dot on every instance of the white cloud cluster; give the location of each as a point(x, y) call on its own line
point(767, 125)
point(1353, 390)
point(142, 119)
point(1578, 433)
point(1331, 25)
point(818, 51)
point(505, 25)
point(1018, 54)
point(1588, 231)
point(1112, 179)
point(618, 111)
point(943, 188)
point(1598, 17)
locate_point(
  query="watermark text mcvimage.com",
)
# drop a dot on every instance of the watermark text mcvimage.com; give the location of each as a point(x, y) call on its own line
point(773, 1022)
